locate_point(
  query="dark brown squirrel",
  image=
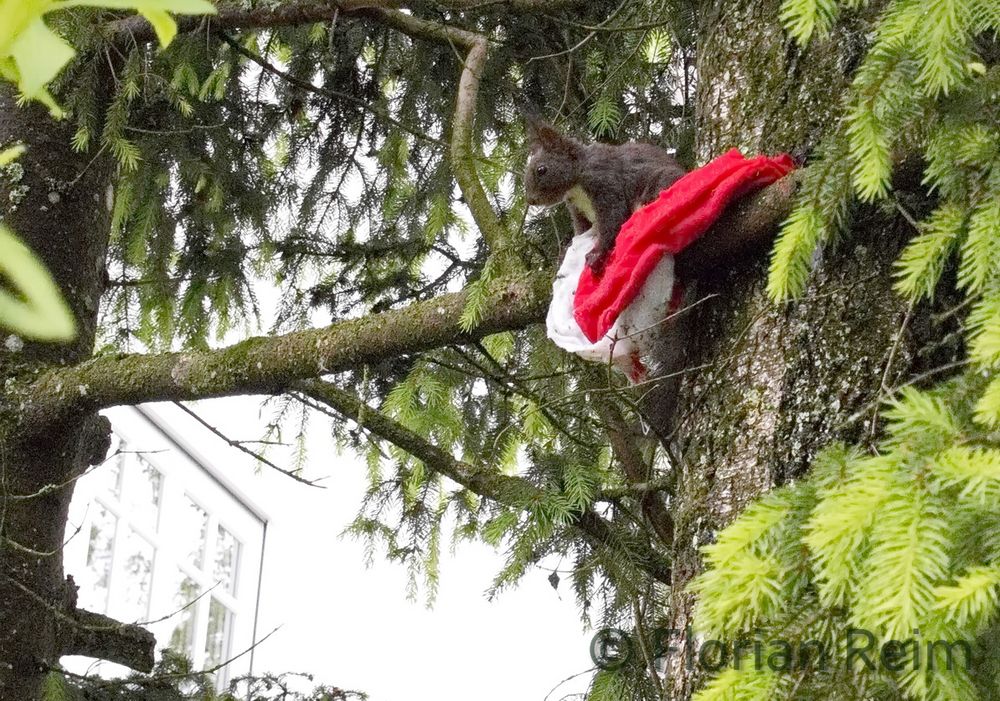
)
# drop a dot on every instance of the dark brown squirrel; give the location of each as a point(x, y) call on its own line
point(602, 184)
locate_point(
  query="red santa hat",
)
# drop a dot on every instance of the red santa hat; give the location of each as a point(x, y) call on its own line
point(614, 317)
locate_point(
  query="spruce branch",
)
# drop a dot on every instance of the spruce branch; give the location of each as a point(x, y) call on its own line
point(387, 12)
point(480, 479)
point(327, 92)
point(463, 156)
point(290, 14)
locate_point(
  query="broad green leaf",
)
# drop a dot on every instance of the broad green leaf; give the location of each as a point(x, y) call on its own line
point(163, 25)
point(39, 54)
point(38, 310)
point(32, 55)
point(178, 7)
point(155, 12)
point(15, 16)
point(8, 69)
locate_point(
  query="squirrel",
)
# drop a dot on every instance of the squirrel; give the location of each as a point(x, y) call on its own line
point(602, 184)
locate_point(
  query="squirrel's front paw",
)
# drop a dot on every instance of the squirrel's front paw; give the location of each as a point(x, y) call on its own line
point(596, 260)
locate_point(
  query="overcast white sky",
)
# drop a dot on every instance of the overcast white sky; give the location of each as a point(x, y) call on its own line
point(353, 627)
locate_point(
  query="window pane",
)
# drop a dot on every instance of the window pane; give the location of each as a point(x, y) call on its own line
point(96, 577)
point(145, 490)
point(220, 628)
point(227, 555)
point(138, 553)
point(182, 637)
point(192, 531)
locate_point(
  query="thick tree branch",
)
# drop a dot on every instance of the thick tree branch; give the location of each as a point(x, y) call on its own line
point(637, 471)
point(745, 230)
point(517, 5)
point(268, 365)
point(137, 29)
point(505, 489)
point(82, 632)
point(95, 635)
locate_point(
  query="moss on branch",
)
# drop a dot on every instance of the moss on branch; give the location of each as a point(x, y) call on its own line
point(266, 365)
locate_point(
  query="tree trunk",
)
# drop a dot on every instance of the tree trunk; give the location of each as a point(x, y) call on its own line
point(780, 380)
point(56, 201)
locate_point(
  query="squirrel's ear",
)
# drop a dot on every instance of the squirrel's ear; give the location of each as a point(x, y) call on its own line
point(540, 133)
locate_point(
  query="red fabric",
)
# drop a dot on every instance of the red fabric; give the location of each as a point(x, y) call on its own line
point(668, 224)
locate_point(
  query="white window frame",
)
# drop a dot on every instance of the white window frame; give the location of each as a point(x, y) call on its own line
point(182, 478)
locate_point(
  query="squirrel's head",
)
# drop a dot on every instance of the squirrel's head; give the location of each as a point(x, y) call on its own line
point(553, 162)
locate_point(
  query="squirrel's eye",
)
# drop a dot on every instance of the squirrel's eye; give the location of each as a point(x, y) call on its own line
point(541, 170)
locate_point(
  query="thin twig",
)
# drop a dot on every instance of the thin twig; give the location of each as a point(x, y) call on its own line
point(326, 92)
point(239, 446)
point(884, 386)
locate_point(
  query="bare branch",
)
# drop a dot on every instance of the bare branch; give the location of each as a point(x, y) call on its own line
point(243, 449)
point(137, 29)
point(97, 635)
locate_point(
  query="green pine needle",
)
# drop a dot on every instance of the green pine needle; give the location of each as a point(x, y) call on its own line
point(972, 600)
point(870, 152)
point(984, 324)
point(801, 233)
point(920, 266)
point(988, 406)
point(804, 19)
point(981, 248)
point(942, 44)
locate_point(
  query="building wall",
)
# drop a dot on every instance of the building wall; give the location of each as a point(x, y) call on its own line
point(157, 536)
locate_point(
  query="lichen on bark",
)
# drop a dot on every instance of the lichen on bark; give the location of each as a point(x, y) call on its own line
point(780, 381)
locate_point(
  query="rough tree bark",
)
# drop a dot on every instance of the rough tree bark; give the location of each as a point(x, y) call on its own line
point(783, 380)
point(59, 205)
